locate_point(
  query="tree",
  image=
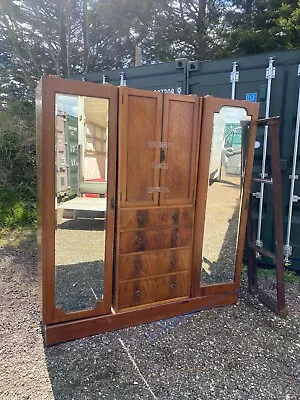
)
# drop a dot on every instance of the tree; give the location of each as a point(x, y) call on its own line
point(289, 21)
point(256, 26)
point(189, 28)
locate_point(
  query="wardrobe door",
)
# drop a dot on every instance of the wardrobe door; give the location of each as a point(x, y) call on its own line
point(181, 132)
point(77, 143)
point(140, 122)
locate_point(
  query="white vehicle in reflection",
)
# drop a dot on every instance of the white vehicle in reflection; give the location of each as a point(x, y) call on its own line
point(231, 157)
point(226, 155)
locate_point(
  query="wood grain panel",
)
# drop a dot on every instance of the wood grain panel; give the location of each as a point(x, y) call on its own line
point(140, 122)
point(152, 290)
point(155, 263)
point(149, 218)
point(155, 239)
point(180, 130)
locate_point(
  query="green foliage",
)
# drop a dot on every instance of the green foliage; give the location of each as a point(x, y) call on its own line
point(289, 21)
point(268, 272)
point(17, 165)
point(15, 211)
point(291, 276)
point(257, 26)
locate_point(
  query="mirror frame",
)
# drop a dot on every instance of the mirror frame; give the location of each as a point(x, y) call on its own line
point(46, 91)
point(212, 105)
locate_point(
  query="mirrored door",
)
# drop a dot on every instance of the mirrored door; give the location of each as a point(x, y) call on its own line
point(79, 174)
point(224, 179)
point(223, 197)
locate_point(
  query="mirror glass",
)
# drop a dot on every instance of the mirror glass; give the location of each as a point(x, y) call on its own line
point(81, 125)
point(223, 197)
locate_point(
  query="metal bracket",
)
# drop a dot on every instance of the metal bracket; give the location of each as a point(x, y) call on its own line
point(234, 76)
point(293, 176)
point(257, 195)
point(270, 72)
point(104, 80)
point(259, 243)
point(296, 198)
point(263, 176)
point(158, 189)
point(298, 71)
point(161, 165)
point(159, 145)
point(287, 251)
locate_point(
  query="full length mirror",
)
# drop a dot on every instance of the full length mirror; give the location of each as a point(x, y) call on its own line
point(81, 148)
point(223, 197)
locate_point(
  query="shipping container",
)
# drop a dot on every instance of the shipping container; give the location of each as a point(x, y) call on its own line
point(272, 79)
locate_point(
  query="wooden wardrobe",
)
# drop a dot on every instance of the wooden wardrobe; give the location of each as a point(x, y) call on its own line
point(153, 151)
point(157, 171)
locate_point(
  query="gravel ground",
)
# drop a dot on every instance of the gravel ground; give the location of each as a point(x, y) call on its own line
point(79, 274)
point(220, 230)
point(235, 352)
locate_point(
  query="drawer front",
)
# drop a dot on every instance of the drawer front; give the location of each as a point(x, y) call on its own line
point(150, 218)
point(146, 291)
point(156, 263)
point(155, 239)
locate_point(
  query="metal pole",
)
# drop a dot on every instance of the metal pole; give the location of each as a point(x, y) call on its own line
point(234, 77)
point(293, 177)
point(122, 79)
point(187, 79)
point(270, 74)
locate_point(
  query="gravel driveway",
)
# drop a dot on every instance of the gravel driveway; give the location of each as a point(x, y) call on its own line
point(235, 352)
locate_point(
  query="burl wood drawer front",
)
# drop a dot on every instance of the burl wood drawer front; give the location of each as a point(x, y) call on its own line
point(155, 263)
point(148, 218)
point(155, 239)
point(151, 290)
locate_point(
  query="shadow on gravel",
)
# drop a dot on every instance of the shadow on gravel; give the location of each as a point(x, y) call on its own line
point(18, 253)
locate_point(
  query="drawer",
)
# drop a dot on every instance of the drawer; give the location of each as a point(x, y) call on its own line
point(156, 263)
point(155, 239)
point(152, 290)
point(152, 218)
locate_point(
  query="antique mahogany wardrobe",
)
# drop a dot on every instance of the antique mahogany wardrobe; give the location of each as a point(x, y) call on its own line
point(130, 188)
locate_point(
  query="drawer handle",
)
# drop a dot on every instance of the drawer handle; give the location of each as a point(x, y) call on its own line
point(137, 293)
point(172, 286)
point(175, 217)
point(139, 242)
point(140, 220)
point(175, 237)
point(173, 263)
point(138, 266)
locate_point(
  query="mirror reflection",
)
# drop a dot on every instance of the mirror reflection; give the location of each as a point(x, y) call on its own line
point(223, 197)
point(81, 200)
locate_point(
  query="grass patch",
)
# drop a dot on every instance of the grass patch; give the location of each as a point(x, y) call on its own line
point(267, 272)
point(14, 237)
point(15, 211)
